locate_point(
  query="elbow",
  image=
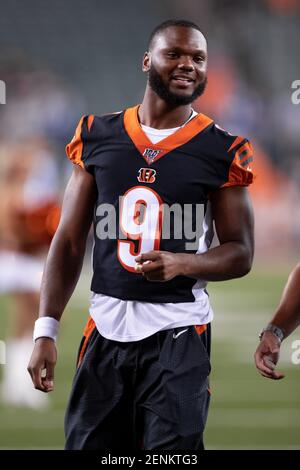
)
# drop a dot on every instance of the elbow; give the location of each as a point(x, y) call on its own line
point(245, 268)
point(67, 244)
point(244, 262)
point(243, 258)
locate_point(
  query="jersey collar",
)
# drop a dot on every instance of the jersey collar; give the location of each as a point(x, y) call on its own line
point(153, 152)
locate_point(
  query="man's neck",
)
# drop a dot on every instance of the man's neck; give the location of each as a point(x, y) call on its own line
point(154, 112)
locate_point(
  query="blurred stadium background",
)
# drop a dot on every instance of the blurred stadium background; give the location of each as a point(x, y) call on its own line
point(62, 60)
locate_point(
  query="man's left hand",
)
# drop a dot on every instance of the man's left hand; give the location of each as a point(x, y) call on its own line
point(159, 265)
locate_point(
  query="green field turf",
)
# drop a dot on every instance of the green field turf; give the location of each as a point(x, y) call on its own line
point(247, 411)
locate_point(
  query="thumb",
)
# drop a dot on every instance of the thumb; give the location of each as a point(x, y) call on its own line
point(48, 380)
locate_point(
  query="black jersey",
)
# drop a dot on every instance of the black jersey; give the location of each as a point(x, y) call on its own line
point(152, 196)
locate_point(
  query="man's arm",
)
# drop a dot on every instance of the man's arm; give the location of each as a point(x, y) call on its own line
point(287, 318)
point(63, 267)
point(233, 217)
point(65, 258)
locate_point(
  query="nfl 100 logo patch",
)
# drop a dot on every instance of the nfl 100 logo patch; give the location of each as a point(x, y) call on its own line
point(151, 154)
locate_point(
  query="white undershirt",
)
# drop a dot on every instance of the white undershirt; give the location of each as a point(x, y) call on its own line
point(155, 135)
point(127, 320)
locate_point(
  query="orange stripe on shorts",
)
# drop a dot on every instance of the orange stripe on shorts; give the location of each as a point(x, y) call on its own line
point(88, 330)
point(200, 328)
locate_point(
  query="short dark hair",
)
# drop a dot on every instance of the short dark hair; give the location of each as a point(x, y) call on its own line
point(166, 24)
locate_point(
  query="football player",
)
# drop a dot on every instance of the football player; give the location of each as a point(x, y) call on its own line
point(152, 178)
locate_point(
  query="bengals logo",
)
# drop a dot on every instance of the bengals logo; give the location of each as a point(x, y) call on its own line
point(146, 175)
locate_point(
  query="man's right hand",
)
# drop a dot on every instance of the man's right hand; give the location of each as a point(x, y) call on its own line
point(43, 358)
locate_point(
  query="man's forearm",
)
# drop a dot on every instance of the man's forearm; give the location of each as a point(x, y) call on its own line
point(227, 261)
point(287, 316)
point(61, 273)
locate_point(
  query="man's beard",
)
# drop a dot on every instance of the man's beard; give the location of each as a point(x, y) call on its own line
point(172, 99)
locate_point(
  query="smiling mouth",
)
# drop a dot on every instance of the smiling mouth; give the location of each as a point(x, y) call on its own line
point(183, 80)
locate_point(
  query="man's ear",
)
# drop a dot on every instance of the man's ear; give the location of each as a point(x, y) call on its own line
point(146, 61)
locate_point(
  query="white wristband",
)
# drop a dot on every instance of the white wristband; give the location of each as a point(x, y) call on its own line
point(46, 327)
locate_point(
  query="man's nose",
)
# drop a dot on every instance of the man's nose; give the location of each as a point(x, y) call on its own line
point(186, 63)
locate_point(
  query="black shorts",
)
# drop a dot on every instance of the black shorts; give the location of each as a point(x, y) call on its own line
point(148, 394)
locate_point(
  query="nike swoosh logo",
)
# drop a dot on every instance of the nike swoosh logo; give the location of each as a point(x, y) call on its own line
point(175, 335)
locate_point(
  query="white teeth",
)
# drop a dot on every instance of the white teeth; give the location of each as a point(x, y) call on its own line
point(182, 79)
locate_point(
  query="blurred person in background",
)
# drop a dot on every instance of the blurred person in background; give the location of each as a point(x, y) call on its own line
point(283, 323)
point(39, 112)
point(29, 212)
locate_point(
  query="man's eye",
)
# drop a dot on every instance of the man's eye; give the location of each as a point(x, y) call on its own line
point(172, 55)
point(199, 59)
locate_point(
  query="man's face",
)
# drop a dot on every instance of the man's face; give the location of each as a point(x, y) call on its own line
point(177, 63)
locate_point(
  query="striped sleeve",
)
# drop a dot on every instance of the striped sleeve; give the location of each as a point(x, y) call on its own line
point(76, 149)
point(241, 170)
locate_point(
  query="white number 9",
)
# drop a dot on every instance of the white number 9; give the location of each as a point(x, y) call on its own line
point(141, 214)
